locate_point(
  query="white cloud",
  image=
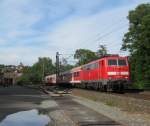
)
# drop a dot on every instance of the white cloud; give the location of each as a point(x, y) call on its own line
point(82, 32)
point(14, 17)
point(27, 55)
point(33, 28)
point(78, 32)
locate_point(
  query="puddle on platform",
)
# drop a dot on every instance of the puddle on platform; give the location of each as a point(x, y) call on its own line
point(26, 118)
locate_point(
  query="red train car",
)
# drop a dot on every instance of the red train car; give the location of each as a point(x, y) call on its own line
point(107, 73)
point(76, 75)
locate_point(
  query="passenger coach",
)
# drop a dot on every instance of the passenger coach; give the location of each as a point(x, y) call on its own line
point(50, 80)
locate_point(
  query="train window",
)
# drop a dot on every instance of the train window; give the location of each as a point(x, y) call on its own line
point(89, 66)
point(122, 63)
point(96, 65)
point(76, 74)
point(85, 67)
point(112, 62)
point(92, 66)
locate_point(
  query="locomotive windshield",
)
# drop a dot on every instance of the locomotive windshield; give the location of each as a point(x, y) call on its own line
point(122, 63)
point(112, 62)
point(119, 62)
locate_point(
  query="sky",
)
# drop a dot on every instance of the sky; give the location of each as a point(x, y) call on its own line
point(39, 28)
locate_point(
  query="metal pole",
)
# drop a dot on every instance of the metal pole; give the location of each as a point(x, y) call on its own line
point(57, 66)
point(43, 72)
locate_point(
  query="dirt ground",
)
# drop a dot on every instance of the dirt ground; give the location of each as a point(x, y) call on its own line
point(130, 111)
point(129, 104)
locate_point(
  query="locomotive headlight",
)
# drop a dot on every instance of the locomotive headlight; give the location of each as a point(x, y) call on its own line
point(124, 73)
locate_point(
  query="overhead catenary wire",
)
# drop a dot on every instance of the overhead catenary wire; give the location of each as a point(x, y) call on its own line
point(102, 36)
point(67, 58)
point(106, 28)
point(98, 36)
point(106, 34)
point(95, 37)
point(110, 33)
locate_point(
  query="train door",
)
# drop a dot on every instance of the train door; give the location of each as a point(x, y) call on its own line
point(102, 69)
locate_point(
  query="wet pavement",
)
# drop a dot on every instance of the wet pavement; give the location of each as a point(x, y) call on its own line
point(26, 118)
point(81, 115)
point(20, 106)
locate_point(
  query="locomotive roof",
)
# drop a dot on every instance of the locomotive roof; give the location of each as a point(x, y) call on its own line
point(66, 72)
point(105, 56)
point(102, 57)
point(51, 75)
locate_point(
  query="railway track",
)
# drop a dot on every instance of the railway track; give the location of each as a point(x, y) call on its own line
point(144, 95)
point(133, 93)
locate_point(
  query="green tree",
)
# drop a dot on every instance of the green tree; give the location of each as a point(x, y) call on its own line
point(2, 67)
point(43, 67)
point(102, 50)
point(137, 42)
point(64, 66)
point(67, 67)
point(84, 56)
point(25, 78)
point(35, 74)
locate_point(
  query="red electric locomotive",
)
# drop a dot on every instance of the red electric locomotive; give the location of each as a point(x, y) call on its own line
point(107, 73)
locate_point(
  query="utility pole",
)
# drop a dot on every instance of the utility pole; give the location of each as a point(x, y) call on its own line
point(57, 66)
point(43, 72)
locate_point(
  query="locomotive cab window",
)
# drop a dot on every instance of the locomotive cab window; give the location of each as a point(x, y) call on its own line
point(112, 62)
point(76, 74)
point(122, 62)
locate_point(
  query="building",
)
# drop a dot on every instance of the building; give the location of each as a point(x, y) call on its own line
point(10, 74)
